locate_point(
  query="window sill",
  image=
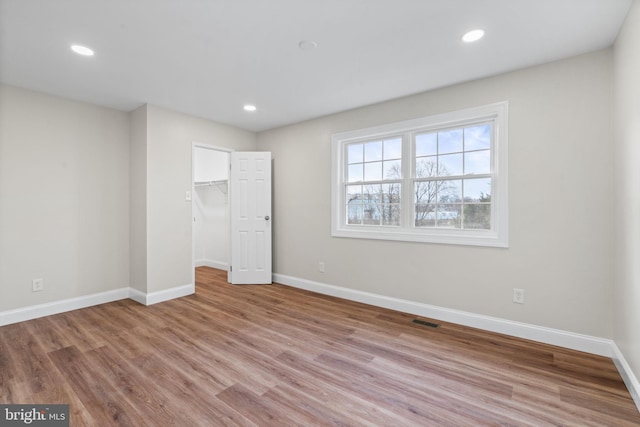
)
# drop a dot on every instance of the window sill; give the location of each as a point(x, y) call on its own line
point(438, 236)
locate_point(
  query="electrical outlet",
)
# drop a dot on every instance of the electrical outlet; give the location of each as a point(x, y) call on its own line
point(37, 285)
point(518, 296)
point(321, 267)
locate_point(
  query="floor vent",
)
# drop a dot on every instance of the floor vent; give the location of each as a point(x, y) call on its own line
point(425, 323)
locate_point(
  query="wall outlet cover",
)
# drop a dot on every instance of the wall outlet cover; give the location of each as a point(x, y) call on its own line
point(37, 285)
point(518, 296)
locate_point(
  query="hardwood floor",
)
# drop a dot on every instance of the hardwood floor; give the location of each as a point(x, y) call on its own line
point(277, 356)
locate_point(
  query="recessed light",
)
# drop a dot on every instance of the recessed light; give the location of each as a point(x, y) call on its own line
point(473, 36)
point(307, 45)
point(250, 107)
point(82, 50)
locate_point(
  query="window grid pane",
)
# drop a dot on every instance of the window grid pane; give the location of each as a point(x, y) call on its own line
point(441, 202)
point(453, 203)
point(453, 152)
point(392, 149)
point(374, 161)
point(370, 164)
point(355, 153)
point(373, 204)
point(373, 151)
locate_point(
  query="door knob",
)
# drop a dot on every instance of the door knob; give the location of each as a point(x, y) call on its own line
point(267, 218)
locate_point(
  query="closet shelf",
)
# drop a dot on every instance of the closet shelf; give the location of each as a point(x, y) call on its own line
point(222, 184)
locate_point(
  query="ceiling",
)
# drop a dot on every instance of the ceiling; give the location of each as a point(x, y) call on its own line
point(208, 58)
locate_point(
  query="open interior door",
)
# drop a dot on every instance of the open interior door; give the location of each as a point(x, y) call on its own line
point(250, 193)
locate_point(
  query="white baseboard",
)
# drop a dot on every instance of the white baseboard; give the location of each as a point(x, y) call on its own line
point(589, 344)
point(627, 375)
point(55, 307)
point(160, 296)
point(35, 311)
point(138, 296)
point(571, 340)
point(220, 265)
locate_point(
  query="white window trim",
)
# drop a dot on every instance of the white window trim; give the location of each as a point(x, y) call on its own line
point(497, 237)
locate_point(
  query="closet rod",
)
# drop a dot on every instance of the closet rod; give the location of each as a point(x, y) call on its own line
point(220, 184)
point(209, 183)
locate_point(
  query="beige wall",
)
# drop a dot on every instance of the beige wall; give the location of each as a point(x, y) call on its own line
point(138, 198)
point(64, 198)
point(626, 188)
point(93, 199)
point(169, 142)
point(559, 191)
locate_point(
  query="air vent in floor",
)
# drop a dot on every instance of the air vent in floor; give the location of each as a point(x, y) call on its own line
point(425, 323)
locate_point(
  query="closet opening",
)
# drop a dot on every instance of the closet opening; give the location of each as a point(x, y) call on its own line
point(210, 207)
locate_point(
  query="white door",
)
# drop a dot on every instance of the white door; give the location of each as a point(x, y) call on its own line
point(250, 192)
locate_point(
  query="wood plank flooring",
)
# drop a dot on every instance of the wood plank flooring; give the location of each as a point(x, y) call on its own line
point(271, 355)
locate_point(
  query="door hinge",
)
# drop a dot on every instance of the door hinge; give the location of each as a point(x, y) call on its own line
point(230, 268)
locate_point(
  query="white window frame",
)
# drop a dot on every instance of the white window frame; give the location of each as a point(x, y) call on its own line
point(497, 236)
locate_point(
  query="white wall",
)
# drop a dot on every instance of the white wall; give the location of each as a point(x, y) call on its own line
point(64, 198)
point(626, 189)
point(211, 234)
point(210, 165)
point(211, 208)
point(559, 192)
point(169, 142)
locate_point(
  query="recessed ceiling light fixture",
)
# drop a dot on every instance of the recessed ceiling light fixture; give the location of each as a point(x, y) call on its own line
point(307, 45)
point(82, 50)
point(473, 36)
point(250, 107)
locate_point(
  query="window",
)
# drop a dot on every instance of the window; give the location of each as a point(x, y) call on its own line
point(374, 182)
point(440, 179)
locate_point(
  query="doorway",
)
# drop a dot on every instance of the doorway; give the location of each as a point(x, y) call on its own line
point(240, 245)
point(210, 207)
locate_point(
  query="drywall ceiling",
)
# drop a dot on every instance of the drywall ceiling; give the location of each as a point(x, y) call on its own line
point(210, 57)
